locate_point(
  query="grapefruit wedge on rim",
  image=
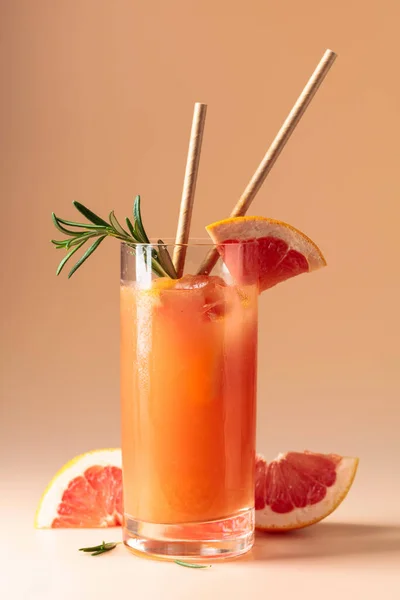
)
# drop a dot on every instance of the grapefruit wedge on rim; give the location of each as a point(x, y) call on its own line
point(299, 489)
point(281, 252)
point(86, 492)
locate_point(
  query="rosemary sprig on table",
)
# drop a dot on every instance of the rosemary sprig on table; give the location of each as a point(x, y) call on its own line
point(97, 229)
point(101, 548)
point(182, 563)
point(107, 546)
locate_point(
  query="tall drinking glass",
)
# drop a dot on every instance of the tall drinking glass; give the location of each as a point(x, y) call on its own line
point(188, 394)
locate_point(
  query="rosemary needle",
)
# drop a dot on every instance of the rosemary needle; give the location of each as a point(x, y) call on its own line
point(182, 563)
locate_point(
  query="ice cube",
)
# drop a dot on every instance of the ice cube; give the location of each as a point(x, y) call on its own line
point(189, 282)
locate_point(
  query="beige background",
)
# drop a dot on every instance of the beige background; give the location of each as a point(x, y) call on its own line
point(96, 104)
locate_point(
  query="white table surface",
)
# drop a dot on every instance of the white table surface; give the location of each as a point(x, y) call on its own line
point(331, 560)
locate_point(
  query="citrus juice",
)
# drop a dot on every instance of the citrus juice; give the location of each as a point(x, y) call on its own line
point(188, 388)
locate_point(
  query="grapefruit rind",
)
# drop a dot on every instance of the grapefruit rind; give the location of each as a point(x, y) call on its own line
point(52, 496)
point(298, 518)
point(247, 228)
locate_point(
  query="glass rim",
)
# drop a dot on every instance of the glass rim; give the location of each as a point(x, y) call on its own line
point(192, 243)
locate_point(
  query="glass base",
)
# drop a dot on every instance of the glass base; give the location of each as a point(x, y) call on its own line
point(224, 538)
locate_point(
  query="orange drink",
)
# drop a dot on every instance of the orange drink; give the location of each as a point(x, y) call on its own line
point(188, 391)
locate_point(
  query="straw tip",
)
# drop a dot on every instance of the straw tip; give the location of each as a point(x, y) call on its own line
point(331, 52)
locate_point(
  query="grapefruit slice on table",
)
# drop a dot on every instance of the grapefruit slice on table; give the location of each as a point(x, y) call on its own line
point(298, 489)
point(293, 491)
point(86, 492)
point(282, 251)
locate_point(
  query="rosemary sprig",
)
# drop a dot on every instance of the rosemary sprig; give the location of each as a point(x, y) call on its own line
point(97, 229)
point(108, 546)
point(101, 548)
